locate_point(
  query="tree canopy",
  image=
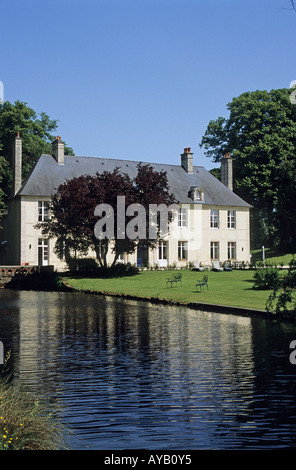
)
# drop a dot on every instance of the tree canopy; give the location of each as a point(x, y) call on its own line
point(260, 135)
point(37, 133)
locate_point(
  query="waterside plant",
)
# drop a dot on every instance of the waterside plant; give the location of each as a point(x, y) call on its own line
point(25, 422)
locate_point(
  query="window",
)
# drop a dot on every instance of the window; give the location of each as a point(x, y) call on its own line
point(120, 258)
point(214, 218)
point(182, 250)
point(231, 219)
point(196, 194)
point(215, 250)
point(182, 217)
point(43, 211)
point(231, 250)
point(162, 250)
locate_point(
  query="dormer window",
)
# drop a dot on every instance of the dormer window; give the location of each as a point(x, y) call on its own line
point(197, 194)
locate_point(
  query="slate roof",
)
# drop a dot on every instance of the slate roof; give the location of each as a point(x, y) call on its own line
point(47, 175)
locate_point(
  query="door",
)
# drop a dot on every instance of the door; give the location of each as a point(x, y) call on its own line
point(142, 256)
point(42, 252)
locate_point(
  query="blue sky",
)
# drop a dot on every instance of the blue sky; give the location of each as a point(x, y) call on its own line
point(141, 79)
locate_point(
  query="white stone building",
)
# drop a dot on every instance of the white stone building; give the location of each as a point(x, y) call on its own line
point(212, 224)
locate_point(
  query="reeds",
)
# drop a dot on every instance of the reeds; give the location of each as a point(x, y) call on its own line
point(25, 422)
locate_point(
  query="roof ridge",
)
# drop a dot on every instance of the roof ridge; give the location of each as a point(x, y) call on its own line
point(132, 161)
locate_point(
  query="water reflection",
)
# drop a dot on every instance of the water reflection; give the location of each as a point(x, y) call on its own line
point(134, 375)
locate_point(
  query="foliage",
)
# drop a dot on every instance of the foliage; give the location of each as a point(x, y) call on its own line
point(25, 423)
point(90, 267)
point(216, 172)
point(283, 297)
point(260, 135)
point(73, 218)
point(36, 131)
point(82, 265)
point(266, 278)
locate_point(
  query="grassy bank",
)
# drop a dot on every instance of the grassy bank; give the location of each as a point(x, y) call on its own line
point(234, 288)
point(25, 422)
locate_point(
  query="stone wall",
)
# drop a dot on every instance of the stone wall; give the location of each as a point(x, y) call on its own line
point(7, 273)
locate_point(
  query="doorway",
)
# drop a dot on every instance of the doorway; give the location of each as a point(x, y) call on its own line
point(142, 256)
point(42, 252)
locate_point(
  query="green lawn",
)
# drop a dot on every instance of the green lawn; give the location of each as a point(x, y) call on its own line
point(225, 288)
point(274, 256)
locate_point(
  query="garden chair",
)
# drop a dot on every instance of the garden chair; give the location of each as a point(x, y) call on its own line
point(227, 266)
point(197, 267)
point(216, 266)
point(202, 284)
point(174, 280)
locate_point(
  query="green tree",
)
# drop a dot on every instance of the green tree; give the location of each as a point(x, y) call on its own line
point(260, 135)
point(36, 131)
point(283, 297)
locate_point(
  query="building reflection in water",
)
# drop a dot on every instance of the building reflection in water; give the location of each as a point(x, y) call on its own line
point(116, 366)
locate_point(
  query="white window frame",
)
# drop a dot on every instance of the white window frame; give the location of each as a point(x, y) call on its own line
point(182, 250)
point(182, 217)
point(198, 196)
point(231, 250)
point(162, 250)
point(214, 250)
point(43, 211)
point(231, 219)
point(214, 218)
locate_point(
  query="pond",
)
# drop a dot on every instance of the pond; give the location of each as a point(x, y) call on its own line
point(134, 375)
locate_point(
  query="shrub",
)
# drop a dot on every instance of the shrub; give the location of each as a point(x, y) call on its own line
point(119, 270)
point(82, 265)
point(284, 293)
point(266, 278)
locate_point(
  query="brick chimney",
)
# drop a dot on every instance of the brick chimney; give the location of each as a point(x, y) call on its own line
point(58, 147)
point(187, 160)
point(226, 171)
point(17, 163)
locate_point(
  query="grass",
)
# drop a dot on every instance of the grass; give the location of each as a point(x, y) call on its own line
point(234, 288)
point(273, 256)
point(25, 423)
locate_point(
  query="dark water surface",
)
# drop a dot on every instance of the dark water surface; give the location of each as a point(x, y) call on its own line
point(131, 375)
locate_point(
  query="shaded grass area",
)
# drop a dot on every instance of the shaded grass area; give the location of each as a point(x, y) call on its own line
point(234, 288)
point(273, 256)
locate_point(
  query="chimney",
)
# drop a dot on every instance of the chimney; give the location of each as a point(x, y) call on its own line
point(187, 160)
point(17, 163)
point(58, 150)
point(226, 171)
